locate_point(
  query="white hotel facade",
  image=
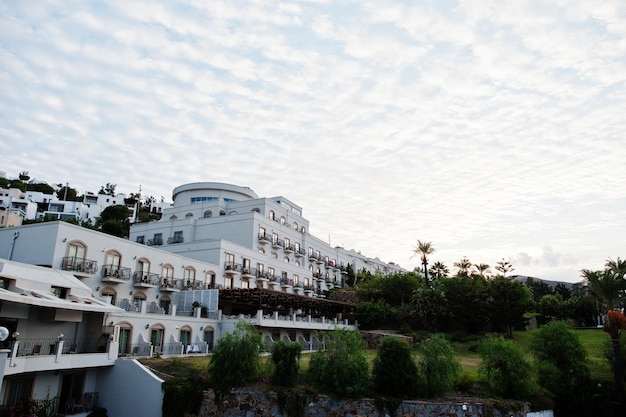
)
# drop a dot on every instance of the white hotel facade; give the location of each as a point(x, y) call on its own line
point(218, 255)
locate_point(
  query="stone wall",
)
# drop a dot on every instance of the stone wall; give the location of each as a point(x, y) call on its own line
point(258, 403)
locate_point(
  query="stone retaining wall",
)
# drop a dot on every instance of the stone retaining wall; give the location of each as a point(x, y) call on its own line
point(258, 403)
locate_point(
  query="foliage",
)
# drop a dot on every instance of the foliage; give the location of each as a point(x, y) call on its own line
point(552, 306)
point(373, 314)
point(467, 302)
point(439, 367)
point(504, 368)
point(117, 212)
point(562, 365)
point(286, 358)
point(508, 301)
point(394, 372)
point(182, 396)
point(607, 348)
point(235, 359)
point(108, 189)
point(340, 368)
point(67, 193)
point(395, 289)
point(350, 276)
point(431, 306)
point(423, 249)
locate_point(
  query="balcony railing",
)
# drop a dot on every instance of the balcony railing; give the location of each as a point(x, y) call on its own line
point(155, 242)
point(264, 238)
point(175, 239)
point(53, 407)
point(300, 252)
point(115, 272)
point(48, 346)
point(72, 263)
point(173, 284)
point(231, 267)
point(249, 272)
point(288, 248)
point(141, 278)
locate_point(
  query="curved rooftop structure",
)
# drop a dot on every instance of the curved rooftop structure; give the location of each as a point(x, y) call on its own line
point(198, 192)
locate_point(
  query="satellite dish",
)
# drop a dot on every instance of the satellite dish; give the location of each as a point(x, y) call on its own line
point(4, 333)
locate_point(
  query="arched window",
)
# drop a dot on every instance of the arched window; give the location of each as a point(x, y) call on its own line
point(112, 262)
point(232, 212)
point(189, 276)
point(173, 217)
point(297, 263)
point(303, 230)
point(256, 210)
point(188, 215)
point(261, 250)
point(274, 255)
point(283, 220)
point(164, 303)
point(271, 215)
point(125, 337)
point(286, 259)
point(142, 270)
point(222, 213)
point(109, 292)
point(295, 226)
point(207, 214)
point(184, 336)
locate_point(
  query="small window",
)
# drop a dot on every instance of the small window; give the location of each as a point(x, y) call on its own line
point(303, 230)
point(271, 215)
point(222, 213)
point(140, 239)
point(188, 215)
point(274, 255)
point(286, 259)
point(173, 217)
point(283, 220)
point(207, 214)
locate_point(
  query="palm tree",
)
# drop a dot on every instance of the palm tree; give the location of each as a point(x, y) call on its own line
point(608, 287)
point(424, 249)
point(482, 269)
point(463, 266)
point(439, 270)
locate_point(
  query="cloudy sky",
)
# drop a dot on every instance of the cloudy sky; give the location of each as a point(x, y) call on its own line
point(493, 129)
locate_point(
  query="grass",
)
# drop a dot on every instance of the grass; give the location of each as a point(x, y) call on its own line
point(593, 340)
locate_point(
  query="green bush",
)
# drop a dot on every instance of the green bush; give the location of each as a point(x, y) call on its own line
point(394, 372)
point(562, 368)
point(235, 359)
point(340, 369)
point(439, 367)
point(504, 369)
point(286, 362)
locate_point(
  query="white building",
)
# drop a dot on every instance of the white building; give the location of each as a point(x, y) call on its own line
point(56, 346)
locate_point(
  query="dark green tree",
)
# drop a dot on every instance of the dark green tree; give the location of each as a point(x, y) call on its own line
point(504, 369)
point(373, 314)
point(423, 249)
point(108, 189)
point(340, 368)
point(439, 367)
point(67, 193)
point(394, 372)
point(431, 306)
point(286, 363)
point(509, 300)
point(235, 360)
point(467, 302)
point(562, 367)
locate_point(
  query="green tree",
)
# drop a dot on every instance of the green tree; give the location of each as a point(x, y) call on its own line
point(467, 302)
point(67, 193)
point(551, 307)
point(482, 269)
point(504, 267)
point(373, 314)
point(394, 372)
point(439, 366)
point(504, 368)
point(340, 368)
point(431, 306)
point(115, 220)
point(423, 249)
point(608, 288)
point(562, 366)
point(235, 360)
point(439, 270)
point(509, 300)
point(108, 189)
point(286, 362)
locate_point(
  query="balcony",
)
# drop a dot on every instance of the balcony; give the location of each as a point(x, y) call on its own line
point(248, 273)
point(115, 274)
point(300, 253)
point(175, 239)
point(288, 248)
point(232, 268)
point(277, 244)
point(312, 257)
point(286, 282)
point(86, 266)
point(264, 238)
point(155, 242)
point(146, 279)
point(329, 264)
point(171, 285)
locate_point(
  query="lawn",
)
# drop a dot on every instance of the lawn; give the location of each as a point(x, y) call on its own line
point(593, 340)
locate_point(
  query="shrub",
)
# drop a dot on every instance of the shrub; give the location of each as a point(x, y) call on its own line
point(235, 360)
point(394, 371)
point(504, 369)
point(562, 367)
point(340, 369)
point(285, 358)
point(439, 367)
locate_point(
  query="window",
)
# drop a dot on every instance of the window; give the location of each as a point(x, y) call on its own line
point(310, 251)
point(296, 278)
point(272, 215)
point(177, 237)
point(189, 275)
point(210, 279)
point(207, 214)
point(230, 258)
point(76, 251)
point(189, 215)
point(306, 282)
point(271, 271)
point(286, 259)
point(111, 266)
point(109, 292)
point(222, 213)
point(261, 250)
point(18, 389)
point(262, 232)
point(260, 269)
point(274, 255)
point(59, 292)
point(168, 271)
point(283, 220)
point(297, 247)
point(185, 335)
point(228, 282)
point(295, 226)
point(287, 243)
point(140, 239)
point(245, 284)
point(274, 238)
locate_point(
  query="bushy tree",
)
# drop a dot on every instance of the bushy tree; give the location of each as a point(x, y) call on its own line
point(509, 300)
point(439, 367)
point(504, 368)
point(235, 360)
point(340, 368)
point(394, 372)
point(431, 306)
point(373, 314)
point(562, 366)
point(286, 362)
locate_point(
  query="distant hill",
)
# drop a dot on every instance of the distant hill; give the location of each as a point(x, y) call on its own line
point(552, 284)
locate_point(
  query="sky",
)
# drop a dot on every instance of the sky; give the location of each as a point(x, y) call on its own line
point(492, 129)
